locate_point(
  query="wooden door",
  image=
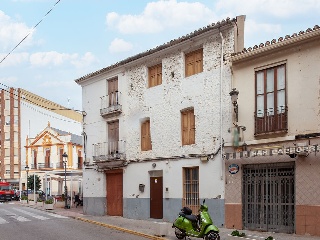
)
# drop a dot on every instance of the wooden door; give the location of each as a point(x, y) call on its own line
point(47, 158)
point(113, 92)
point(114, 193)
point(113, 137)
point(156, 197)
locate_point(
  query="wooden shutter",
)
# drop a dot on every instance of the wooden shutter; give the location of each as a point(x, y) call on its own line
point(198, 67)
point(155, 75)
point(113, 137)
point(113, 92)
point(146, 136)
point(194, 62)
point(188, 127)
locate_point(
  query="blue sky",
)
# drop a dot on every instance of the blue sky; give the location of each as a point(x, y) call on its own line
point(80, 36)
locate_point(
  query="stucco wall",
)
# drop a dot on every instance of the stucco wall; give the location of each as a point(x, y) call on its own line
point(206, 92)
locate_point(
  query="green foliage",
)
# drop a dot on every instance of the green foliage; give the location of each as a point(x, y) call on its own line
point(269, 238)
point(236, 233)
point(24, 197)
point(39, 200)
point(49, 201)
point(31, 184)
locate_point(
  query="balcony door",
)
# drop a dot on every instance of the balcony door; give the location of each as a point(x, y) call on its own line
point(113, 92)
point(113, 137)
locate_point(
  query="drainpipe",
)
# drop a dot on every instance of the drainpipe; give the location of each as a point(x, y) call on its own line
point(221, 114)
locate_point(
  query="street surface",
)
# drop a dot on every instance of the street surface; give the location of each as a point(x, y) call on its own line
point(19, 222)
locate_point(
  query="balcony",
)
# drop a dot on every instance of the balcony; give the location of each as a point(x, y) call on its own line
point(45, 165)
point(110, 105)
point(109, 154)
point(269, 121)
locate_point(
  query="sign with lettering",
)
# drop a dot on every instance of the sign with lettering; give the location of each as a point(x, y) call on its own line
point(273, 152)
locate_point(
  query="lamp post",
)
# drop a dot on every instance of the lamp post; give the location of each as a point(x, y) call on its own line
point(27, 170)
point(65, 157)
point(234, 98)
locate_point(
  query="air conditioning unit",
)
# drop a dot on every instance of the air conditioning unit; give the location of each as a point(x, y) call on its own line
point(301, 150)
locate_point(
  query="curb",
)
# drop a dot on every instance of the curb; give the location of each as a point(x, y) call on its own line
point(121, 229)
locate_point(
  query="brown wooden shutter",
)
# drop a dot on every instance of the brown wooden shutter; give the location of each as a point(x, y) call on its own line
point(159, 74)
point(113, 91)
point(155, 75)
point(198, 61)
point(113, 137)
point(188, 127)
point(194, 62)
point(146, 136)
point(192, 127)
point(184, 126)
point(189, 65)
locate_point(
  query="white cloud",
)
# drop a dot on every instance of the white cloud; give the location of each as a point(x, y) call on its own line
point(86, 60)
point(12, 32)
point(48, 58)
point(161, 15)
point(253, 27)
point(8, 80)
point(56, 84)
point(120, 45)
point(276, 8)
point(13, 59)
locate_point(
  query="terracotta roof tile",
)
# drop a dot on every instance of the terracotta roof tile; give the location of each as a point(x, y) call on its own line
point(274, 41)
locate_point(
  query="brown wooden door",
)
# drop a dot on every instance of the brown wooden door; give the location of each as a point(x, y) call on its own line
point(113, 92)
point(47, 158)
point(113, 137)
point(156, 197)
point(114, 193)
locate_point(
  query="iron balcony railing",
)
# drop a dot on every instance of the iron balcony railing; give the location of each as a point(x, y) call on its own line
point(271, 121)
point(108, 151)
point(111, 104)
point(45, 165)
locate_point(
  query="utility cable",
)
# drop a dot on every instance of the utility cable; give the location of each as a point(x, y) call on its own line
point(30, 31)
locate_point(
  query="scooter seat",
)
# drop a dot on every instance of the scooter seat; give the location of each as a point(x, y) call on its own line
point(191, 217)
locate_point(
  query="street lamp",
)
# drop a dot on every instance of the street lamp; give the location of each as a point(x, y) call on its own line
point(65, 157)
point(27, 170)
point(234, 99)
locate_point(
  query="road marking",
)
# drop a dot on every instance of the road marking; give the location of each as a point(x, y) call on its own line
point(56, 215)
point(2, 221)
point(32, 215)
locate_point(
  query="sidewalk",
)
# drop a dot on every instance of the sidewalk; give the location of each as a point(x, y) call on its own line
point(152, 229)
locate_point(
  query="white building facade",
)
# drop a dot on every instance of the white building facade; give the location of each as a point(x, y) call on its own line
point(155, 126)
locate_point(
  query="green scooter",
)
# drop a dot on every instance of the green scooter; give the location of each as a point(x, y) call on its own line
point(199, 226)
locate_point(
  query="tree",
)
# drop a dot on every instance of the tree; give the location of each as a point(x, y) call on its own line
point(31, 182)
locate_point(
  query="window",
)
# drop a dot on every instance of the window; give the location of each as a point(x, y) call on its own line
point(194, 62)
point(271, 111)
point(155, 75)
point(145, 136)
point(191, 188)
point(188, 127)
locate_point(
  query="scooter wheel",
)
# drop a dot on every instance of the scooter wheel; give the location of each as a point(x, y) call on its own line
point(212, 236)
point(179, 233)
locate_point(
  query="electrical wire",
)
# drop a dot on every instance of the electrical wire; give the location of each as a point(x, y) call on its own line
point(30, 31)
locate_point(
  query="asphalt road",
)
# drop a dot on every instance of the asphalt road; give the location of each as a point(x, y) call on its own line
point(19, 222)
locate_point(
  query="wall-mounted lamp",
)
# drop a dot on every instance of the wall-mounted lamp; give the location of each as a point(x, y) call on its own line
point(141, 187)
point(234, 98)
